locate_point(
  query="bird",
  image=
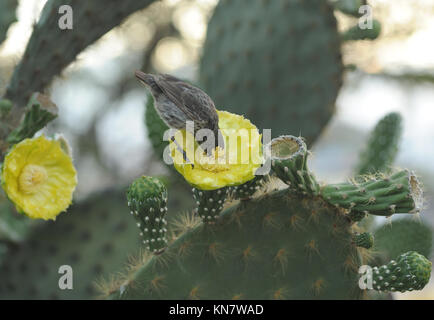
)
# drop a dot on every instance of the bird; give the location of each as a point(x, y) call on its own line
point(177, 102)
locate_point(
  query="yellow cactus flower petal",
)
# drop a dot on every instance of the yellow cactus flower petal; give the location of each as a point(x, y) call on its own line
point(39, 178)
point(231, 166)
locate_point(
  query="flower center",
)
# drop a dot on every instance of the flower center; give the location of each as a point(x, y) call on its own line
point(31, 178)
point(217, 162)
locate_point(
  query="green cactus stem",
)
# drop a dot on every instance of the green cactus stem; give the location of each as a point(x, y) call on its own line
point(147, 200)
point(363, 240)
point(355, 33)
point(399, 193)
point(382, 147)
point(39, 112)
point(289, 161)
point(210, 203)
point(411, 271)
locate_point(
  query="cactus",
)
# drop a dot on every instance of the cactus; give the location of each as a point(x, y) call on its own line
point(155, 127)
point(349, 7)
point(94, 238)
point(401, 236)
point(7, 16)
point(50, 49)
point(411, 271)
point(39, 112)
point(382, 147)
point(147, 200)
point(276, 62)
point(363, 240)
point(356, 33)
point(275, 233)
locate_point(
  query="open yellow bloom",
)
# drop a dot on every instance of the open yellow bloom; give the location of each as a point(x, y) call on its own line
point(39, 178)
point(234, 165)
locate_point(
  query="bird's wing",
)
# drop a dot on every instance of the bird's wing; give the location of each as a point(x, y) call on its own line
point(174, 93)
point(192, 101)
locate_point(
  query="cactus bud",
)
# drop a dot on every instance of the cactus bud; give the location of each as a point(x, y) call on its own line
point(147, 200)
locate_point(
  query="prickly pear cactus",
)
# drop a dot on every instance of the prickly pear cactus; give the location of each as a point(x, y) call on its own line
point(276, 62)
point(155, 128)
point(51, 49)
point(94, 238)
point(292, 243)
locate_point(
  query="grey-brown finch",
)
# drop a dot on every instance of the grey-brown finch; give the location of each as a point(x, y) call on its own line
point(178, 102)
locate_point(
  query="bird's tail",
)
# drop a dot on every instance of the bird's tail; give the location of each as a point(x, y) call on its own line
point(146, 78)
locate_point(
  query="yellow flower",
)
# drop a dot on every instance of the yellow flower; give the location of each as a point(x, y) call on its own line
point(234, 165)
point(39, 178)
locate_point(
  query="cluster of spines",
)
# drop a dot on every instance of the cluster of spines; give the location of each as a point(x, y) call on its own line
point(147, 200)
point(411, 271)
point(398, 193)
point(363, 240)
point(289, 161)
point(210, 203)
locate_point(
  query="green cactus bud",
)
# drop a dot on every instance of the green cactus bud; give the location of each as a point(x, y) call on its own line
point(355, 33)
point(382, 146)
point(399, 193)
point(411, 271)
point(7, 16)
point(363, 240)
point(40, 111)
point(210, 203)
point(289, 160)
point(147, 199)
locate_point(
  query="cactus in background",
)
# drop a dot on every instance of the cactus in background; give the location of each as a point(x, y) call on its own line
point(94, 238)
point(355, 33)
point(296, 238)
point(50, 49)
point(382, 147)
point(7, 16)
point(401, 236)
point(349, 7)
point(155, 127)
point(276, 62)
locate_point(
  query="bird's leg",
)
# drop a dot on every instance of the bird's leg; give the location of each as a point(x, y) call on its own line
point(184, 154)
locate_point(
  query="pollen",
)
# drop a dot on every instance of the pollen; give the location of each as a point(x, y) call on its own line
point(217, 162)
point(31, 178)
